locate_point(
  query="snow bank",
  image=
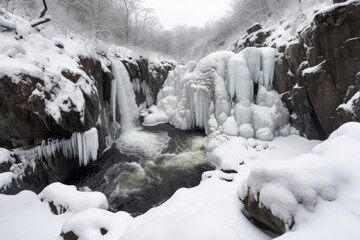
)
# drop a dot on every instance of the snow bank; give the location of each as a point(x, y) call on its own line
point(67, 198)
point(24, 216)
point(200, 226)
point(5, 155)
point(328, 176)
point(87, 224)
point(211, 210)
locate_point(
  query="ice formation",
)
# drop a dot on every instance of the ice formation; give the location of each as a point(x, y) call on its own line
point(83, 146)
point(123, 97)
point(225, 93)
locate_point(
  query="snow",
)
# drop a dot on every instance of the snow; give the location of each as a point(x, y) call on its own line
point(264, 134)
point(24, 216)
point(211, 210)
point(313, 69)
point(303, 188)
point(5, 155)
point(68, 198)
point(87, 224)
point(349, 105)
point(36, 55)
point(6, 178)
point(230, 127)
point(246, 131)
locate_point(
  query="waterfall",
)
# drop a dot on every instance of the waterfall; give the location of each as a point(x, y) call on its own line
point(123, 97)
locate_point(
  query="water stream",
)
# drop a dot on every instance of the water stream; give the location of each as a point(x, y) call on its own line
point(144, 168)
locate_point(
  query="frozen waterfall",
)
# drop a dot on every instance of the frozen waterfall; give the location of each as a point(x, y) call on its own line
point(218, 95)
point(123, 97)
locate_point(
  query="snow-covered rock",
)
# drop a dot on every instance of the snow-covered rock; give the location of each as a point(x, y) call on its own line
point(293, 191)
point(62, 198)
point(96, 224)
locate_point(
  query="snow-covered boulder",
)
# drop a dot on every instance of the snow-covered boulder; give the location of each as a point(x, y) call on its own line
point(62, 198)
point(96, 224)
point(276, 194)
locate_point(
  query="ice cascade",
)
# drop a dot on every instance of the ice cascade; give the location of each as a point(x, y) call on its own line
point(225, 94)
point(83, 146)
point(123, 97)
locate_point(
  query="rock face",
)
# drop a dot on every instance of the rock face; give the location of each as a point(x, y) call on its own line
point(25, 124)
point(255, 37)
point(147, 78)
point(317, 70)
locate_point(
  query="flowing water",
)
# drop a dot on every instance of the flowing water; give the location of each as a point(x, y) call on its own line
point(145, 167)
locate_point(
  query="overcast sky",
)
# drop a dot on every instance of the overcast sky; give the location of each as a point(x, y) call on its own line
point(187, 12)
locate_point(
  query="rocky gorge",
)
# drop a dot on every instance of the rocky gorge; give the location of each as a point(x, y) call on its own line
point(317, 74)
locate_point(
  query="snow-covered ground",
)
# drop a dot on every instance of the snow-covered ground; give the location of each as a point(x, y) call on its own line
point(211, 210)
point(324, 175)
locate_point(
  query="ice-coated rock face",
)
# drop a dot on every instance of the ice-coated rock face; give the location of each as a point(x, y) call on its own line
point(222, 93)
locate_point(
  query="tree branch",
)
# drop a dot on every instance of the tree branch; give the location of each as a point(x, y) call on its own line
point(40, 21)
point(43, 12)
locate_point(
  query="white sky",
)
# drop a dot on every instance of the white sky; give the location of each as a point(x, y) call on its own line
point(187, 12)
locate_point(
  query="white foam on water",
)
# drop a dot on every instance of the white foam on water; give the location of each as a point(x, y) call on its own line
point(143, 143)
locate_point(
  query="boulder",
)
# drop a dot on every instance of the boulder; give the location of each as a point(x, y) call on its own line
point(262, 216)
point(254, 28)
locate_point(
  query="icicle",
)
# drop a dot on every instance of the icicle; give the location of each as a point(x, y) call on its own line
point(83, 146)
point(268, 66)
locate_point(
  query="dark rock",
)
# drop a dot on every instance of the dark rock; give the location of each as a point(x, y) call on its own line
point(331, 43)
point(338, 1)
point(59, 45)
point(229, 171)
point(306, 118)
point(103, 231)
point(263, 217)
point(324, 96)
point(283, 76)
point(147, 73)
point(57, 210)
point(254, 28)
point(336, 36)
point(69, 236)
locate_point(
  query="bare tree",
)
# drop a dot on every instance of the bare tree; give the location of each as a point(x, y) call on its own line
point(43, 18)
point(128, 10)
